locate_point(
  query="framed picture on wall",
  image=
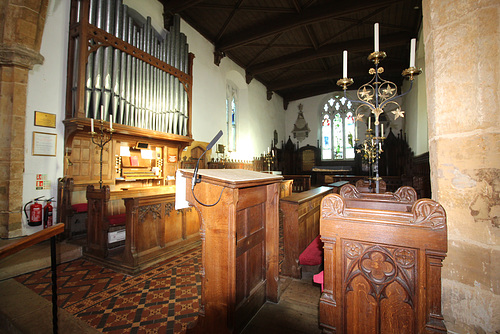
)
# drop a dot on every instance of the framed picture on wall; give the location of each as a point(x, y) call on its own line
point(44, 143)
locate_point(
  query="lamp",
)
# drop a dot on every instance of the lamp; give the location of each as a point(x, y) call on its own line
point(377, 95)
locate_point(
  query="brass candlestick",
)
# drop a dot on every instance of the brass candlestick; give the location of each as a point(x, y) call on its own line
point(100, 139)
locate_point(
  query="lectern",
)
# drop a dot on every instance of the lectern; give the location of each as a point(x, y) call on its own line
point(240, 245)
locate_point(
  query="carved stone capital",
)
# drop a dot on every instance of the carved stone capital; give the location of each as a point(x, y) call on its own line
point(19, 55)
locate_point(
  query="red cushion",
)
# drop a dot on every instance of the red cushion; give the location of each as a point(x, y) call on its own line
point(313, 254)
point(116, 219)
point(319, 278)
point(80, 207)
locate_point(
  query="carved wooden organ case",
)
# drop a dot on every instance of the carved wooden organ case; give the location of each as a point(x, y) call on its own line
point(121, 70)
point(382, 267)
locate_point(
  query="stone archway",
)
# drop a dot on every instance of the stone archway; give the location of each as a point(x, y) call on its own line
point(21, 30)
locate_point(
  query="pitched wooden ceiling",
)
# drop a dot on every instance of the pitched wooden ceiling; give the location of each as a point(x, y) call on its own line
point(294, 47)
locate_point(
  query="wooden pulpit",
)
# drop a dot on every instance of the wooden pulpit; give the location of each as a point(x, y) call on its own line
point(240, 245)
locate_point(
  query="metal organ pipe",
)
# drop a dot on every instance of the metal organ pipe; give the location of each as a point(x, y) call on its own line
point(135, 92)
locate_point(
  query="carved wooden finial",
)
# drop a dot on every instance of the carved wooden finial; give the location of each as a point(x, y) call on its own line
point(406, 194)
point(429, 213)
point(332, 205)
point(349, 191)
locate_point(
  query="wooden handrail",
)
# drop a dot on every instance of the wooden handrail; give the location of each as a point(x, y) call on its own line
point(31, 240)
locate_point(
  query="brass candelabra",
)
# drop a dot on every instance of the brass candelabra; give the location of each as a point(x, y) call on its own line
point(376, 96)
point(100, 139)
point(269, 159)
point(370, 150)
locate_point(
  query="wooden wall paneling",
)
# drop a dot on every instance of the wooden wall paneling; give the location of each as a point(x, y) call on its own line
point(174, 223)
point(192, 220)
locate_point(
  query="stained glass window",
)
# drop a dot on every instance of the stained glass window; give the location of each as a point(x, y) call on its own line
point(337, 129)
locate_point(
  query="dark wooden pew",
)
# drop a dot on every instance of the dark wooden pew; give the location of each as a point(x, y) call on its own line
point(300, 226)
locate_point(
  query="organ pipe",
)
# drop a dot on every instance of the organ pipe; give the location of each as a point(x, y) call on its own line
point(127, 70)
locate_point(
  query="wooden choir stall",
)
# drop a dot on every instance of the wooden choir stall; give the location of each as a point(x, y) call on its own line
point(383, 255)
point(240, 237)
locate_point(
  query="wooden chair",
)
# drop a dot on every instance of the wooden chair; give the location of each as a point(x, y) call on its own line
point(382, 263)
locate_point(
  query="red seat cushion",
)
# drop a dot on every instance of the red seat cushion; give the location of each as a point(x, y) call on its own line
point(80, 207)
point(313, 254)
point(116, 219)
point(319, 278)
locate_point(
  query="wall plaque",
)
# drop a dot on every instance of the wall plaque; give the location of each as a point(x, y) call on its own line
point(45, 119)
point(44, 143)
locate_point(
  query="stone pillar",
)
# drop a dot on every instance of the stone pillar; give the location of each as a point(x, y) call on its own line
point(21, 29)
point(462, 44)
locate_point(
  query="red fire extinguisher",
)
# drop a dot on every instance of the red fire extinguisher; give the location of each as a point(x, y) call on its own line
point(35, 217)
point(47, 213)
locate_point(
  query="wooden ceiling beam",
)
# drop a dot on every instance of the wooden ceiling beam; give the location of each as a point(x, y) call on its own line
point(326, 75)
point(362, 45)
point(176, 6)
point(314, 90)
point(292, 21)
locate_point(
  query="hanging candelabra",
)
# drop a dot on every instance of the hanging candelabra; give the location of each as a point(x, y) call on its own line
point(377, 95)
point(101, 138)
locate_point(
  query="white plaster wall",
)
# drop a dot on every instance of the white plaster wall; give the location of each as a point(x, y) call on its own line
point(257, 117)
point(416, 105)
point(46, 92)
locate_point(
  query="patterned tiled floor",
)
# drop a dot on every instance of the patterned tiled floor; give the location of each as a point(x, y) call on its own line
point(162, 299)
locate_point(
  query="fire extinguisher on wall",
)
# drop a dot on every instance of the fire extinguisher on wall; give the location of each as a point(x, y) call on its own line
point(47, 213)
point(35, 216)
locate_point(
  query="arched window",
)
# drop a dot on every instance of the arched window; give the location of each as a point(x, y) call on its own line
point(337, 129)
point(231, 109)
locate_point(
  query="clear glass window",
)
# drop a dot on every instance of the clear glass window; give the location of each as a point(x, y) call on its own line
point(231, 117)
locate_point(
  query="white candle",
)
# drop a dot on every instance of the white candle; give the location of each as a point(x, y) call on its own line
point(382, 134)
point(412, 52)
point(91, 125)
point(345, 64)
point(111, 121)
point(268, 150)
point(369, 123)
point(375, 28)
point(101, 114)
